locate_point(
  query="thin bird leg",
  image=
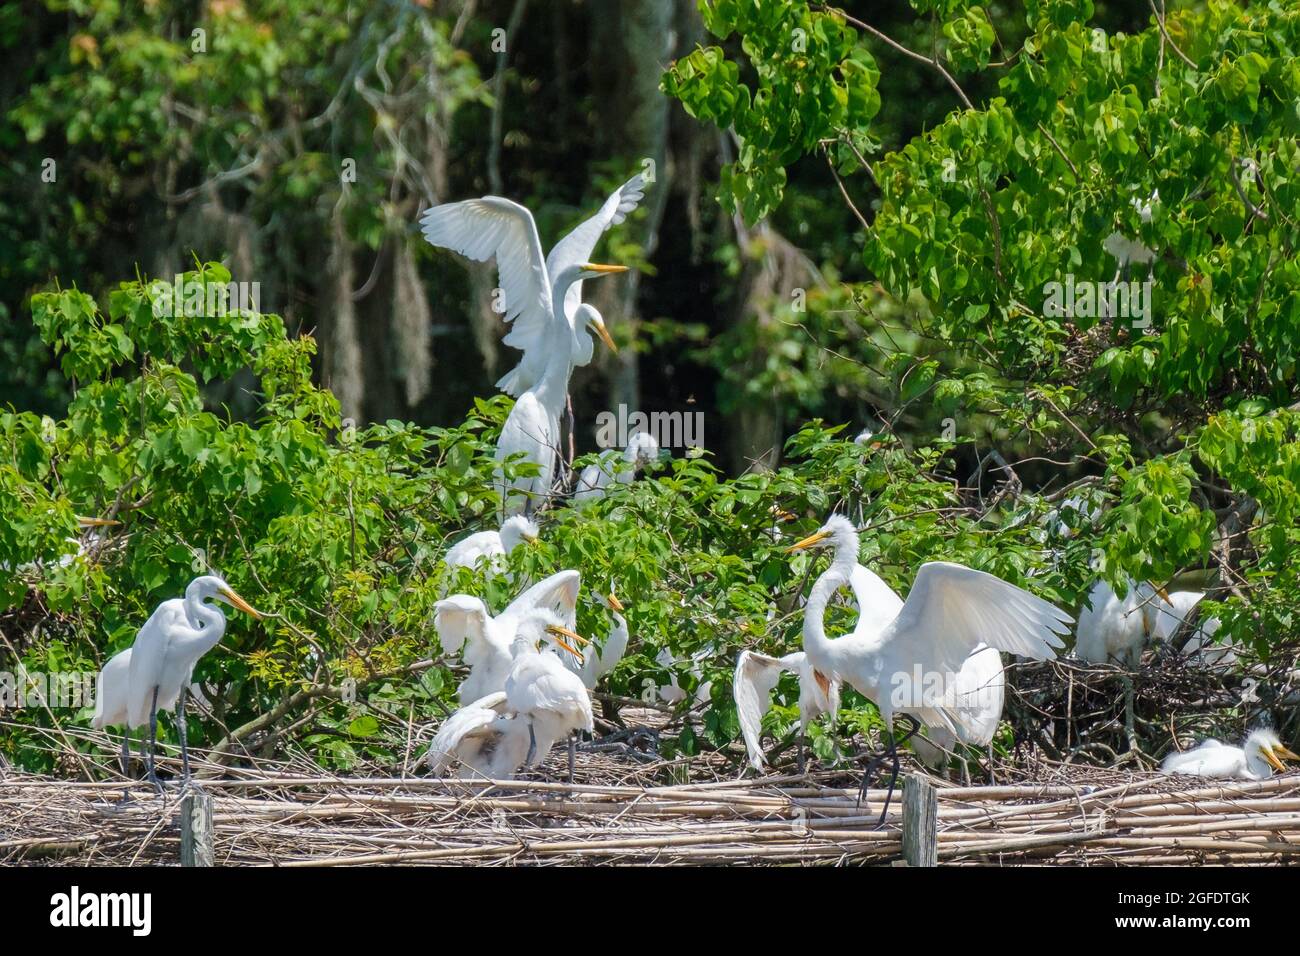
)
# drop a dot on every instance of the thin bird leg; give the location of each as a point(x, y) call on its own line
point(868, 775)
point(185, 751)
point(568, 401)
point(802, 761)
point(573, 746)
point(126, 754)
point(532, 747)
point(152, 774)
point(895, 765)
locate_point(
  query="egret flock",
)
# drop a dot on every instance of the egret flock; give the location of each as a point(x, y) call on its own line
point(932, 662)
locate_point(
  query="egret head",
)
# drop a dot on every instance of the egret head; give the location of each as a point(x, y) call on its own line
point(544, 625)
point(1265, 753)
point(838, 533)
point(642, 450)
point(610, 601)
point(587, 319)
point(516, 530)
point(209, 586)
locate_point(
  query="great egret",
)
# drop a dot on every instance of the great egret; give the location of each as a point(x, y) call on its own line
point(1126, 250)
point(484, 737)
point(979, 687)
point(1200, 645)
point(542, 300)
point(673, 692)
point(1256, 759)
point(596, 661)
point(593, 483)
point(157, 668)
point(756, 677)
point(1117, 629)
point(542, 692)
point(90, 539)
point(489, 548)
point(464, 621)
point(910, 667)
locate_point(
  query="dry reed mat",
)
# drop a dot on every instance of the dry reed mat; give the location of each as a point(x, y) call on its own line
point(288, 818)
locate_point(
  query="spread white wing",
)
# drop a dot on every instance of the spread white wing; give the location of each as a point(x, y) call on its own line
point(481, 229)
point(460, 618)
point(952, 609)
point(878, 603)
point(465, 723)
point(756, 677)
point(578, 245)
point(558, 593)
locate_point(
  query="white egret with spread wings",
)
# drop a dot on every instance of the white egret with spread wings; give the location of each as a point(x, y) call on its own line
point(466, 627)
point(542, 299)
point(910, 663)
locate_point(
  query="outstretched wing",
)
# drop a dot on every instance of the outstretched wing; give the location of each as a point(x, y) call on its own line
point(953, 609)
point(756, 677)
point(878, 603)
point(463, 724)
point(578, 245)
point(460, 618)
point(558, 593)
point(481, 229)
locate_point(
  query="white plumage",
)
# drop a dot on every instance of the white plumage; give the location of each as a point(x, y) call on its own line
point(598, 661)
point(593, 483)
point(542, 692)
point(914, 664)
point(484, 737)
point(1261, 754)
point(489, 548)
point(757, 676)
point(1115, 629)
point(150, 676)
point(541, 300)
point(466, 627)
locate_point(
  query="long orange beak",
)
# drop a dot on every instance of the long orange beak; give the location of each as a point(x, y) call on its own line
point(605, 337)
point(1284, 753)
point(97, 522)
point(238, 602)
point(597, 267)
point(559, 633)
point(614, 602)
point(807, 542)
point(1161, 591)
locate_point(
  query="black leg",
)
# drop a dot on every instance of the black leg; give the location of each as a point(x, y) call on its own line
point(894, 762)
point(180, 726)
point(573, 746)
point(153, 743)
point(126, 754)
point(532, 747)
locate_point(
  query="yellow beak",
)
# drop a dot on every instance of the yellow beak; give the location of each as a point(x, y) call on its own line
point(780, 514)
point(597, 267)
point(559, 633)
point(97, 522)
point(1161, 591)
point(1272, 759)
point(1284, 753)
point(807, 542)
point(614, 602)
point(605, 337)
point(240, 603)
